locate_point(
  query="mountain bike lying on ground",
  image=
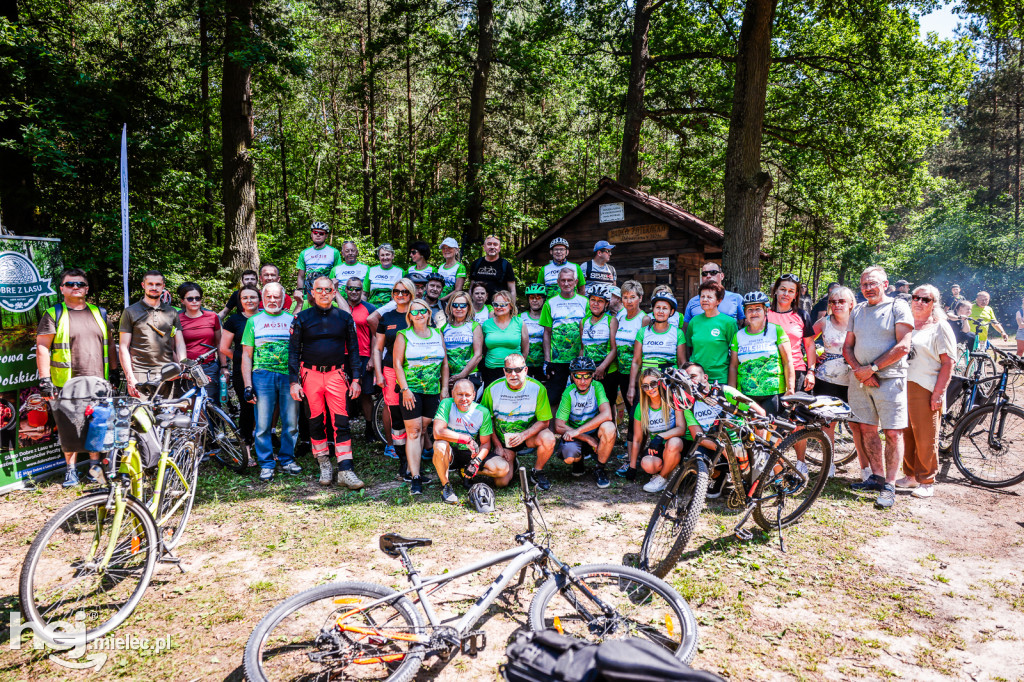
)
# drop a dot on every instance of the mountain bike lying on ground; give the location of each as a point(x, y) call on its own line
point(367, 631)
point(988, 441)
point(762, 468)
point(91, 563)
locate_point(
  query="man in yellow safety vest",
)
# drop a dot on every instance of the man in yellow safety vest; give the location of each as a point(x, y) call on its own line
point(72, 340)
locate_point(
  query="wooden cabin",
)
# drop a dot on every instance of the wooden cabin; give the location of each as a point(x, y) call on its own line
point(656, 242)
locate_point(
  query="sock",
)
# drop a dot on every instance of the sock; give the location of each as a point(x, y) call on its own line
point(345, 465)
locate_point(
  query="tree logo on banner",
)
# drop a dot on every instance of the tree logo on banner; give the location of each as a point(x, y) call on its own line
point(21, 287)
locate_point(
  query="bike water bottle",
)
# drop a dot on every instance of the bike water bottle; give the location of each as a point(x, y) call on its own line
point(223, 389)
point(99, 425)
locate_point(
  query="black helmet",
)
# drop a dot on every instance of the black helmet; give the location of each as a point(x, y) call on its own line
point(582, 364)
point(417, 277)
point(668, 298)
point(435, 277)
point(482, 498)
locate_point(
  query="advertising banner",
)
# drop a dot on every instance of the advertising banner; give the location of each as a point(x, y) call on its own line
point(28, 437)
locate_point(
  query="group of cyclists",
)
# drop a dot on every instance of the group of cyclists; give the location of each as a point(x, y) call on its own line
point(469, 380)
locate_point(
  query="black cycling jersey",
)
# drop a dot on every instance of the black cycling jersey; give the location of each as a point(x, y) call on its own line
point(325, 338)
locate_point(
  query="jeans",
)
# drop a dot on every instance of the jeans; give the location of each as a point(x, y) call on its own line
point(272, 391)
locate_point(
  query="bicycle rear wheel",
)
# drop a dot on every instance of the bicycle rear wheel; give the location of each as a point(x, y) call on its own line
point(674, 517)
point(223, 442)
point(948, 421)
point(983, 368)
point(178, 494)
point(783, 489)
point(307, 625)
point(990, 454)
point(640, 606)
point(62, 579)
point(378, 418)
point(843, 449)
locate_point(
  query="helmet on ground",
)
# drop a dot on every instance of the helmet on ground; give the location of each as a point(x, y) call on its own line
point(667, 298)
point(582, 364)
point(482, 498)
point(317, 225)
point(535, 289)
point(417, 277)
point(755, 298)
point(558, 241)
point(435, 277)
point(599, 290)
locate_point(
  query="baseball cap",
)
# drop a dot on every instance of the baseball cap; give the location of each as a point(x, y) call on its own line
point(450, 243)
point(615, 291)
point(603, 245)
point(902, 283)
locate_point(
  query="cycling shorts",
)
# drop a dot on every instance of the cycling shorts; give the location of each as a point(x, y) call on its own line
point(426, 406)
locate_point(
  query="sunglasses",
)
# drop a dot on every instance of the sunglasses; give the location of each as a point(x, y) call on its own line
point(922, 299)
point(353, 289)
point(418, 312)
point(75, 285)
point(499, 305)
point(709, 273)
point(649, 386)
point(459, 306)
point(838, 301)
point(790, 277)
point(193, 299)
point(324, 290)
point(400, 292)
point(582, 375)
point(515, 370)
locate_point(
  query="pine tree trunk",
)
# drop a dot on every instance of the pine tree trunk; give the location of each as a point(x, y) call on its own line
point(746, 184)
point(639, 59)
point(284, 167)
point(477, 107)
point(240, 248)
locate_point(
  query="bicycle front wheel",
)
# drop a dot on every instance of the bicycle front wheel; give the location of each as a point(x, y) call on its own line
point(323, 633)
point(781, 492)
point(674, 517)
point(988, 447)
point(178, 494)
point(981, 368)
point(65, 579)
point(618, 602)
point(378, 419)
point(223, 442)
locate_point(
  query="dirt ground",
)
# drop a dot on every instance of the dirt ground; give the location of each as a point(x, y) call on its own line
point(930, 590)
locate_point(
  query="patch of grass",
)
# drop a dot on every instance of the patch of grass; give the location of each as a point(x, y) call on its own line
point(259, 586)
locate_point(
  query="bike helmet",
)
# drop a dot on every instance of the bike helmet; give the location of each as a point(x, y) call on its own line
point(417, 277)
point(667, 298)
point(558, 241)
point(755, 298)
point(599, 290)
point(583, 364)
point(682, 388)
point(435, 277)
point(536, 289)
point(482, 498)
point(317, 225)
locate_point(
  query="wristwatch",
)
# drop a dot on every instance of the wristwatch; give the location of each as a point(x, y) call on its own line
point(874, 368)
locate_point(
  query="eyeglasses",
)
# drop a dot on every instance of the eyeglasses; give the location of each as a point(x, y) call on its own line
point(649, 385)
point(838, 301)
point(324, 290)
point(353, 289)
point(870, 284)
point(193, 299)
point(499, 305)
point(515, 370)
point(419, 311)
point(790, 277)
point(582, 375)
point(709, 273)
point(922, 299)
point(459, 306)
point(401, 292)
point(75, 285)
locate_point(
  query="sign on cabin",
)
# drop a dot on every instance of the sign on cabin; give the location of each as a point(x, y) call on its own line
point(611, 213)
point(638, 233)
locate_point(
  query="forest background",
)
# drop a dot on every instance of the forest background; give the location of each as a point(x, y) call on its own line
point(828, 132)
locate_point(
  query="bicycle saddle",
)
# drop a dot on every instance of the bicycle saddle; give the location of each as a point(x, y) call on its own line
point(390, 543)
point(178, 421)
point(799, 398)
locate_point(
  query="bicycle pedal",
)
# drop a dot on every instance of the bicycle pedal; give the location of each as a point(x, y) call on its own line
point(474, 642)
point(744, 534)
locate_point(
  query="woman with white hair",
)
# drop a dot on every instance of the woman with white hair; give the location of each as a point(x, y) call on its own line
point(930, 368)
point(381, 278)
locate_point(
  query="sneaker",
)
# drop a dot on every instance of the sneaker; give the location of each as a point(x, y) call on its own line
point(621, 471)
point(887, 497)
point(622, 456)
point(716, 486)
point(427, 454)
point(326, 470)
point(96, 475)
point(655, 485)
point(71, 478)
point(291, 468)
point(873, 484)
point(539, 479)
point(924, 490)
point(416, 486)
point(266, 474)
point(349, 479)
point(832, 470)
point(448, 494)
point(407, 477)
point(801, 467)
point(389, 452)
point(907, 482)
point(578, 469)
point(602, 477)
point(865, 473)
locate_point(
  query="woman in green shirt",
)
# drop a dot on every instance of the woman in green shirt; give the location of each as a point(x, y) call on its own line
point(709, 335)
point(658, 422)
point(597, 331)
point(536, 294)
point(504, 334)
point(463, 340)
point(453, 270)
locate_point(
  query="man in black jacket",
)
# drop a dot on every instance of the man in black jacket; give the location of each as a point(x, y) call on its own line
point(324, 367)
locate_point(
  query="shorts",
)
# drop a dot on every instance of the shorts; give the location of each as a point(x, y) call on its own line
point(770, 403)
point(392, 398)
point(367, 383)
point(832, 390)
point(426, 406)
point(884, 406)
point(572, 449)
point(461, 457)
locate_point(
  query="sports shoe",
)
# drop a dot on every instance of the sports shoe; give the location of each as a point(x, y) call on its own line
point(407, 477)
point(716, 486)
point(427, 454)
point(539, 479)
point(623, 456)
point(71, 478)
point(266, 474)
point(349, 479)
point(96, 475)
point(326, 470)
point(865, 473)
point(873, 484)
point(887, 497)
point(801, 467)
point(578, 468)
point(924, 490)
point(602, 477)
point(448, 494)
point(832, 470)
point(389, 452)
point(291, 468)
point(907, 482)
point(416, 486)
point(655, 485)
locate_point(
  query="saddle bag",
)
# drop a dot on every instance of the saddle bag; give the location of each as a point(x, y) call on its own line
point(547, 656)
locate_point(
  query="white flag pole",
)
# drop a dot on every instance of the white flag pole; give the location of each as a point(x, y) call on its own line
point(124, 209)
